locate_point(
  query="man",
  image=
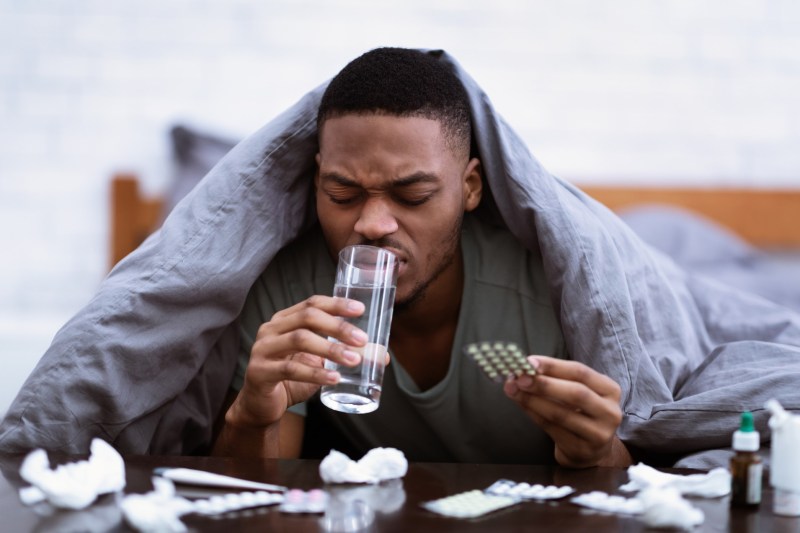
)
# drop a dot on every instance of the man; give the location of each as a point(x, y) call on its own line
point(394, 170)
point(148, 362)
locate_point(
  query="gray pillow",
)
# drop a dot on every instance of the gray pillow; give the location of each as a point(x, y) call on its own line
point(691, 240)
point(195, 153)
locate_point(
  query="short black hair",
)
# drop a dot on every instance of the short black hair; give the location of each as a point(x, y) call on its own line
point(405, 83)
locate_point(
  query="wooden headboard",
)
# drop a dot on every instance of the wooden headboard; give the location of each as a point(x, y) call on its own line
point(768, 218)
point(133, 216)
point(764, 217)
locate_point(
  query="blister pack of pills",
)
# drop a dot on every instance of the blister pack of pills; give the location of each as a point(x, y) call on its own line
point(469, 504)
point(235, 502)
point(298, 501)
point(499, 360)
point(526, 491)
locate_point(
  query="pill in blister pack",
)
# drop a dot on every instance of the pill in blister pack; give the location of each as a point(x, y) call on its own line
point(498, 360)
point(506, 487)
point(235, 502)
point(470, 504)
point(298, 501)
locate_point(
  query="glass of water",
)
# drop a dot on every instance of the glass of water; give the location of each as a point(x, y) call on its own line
point(367, 274)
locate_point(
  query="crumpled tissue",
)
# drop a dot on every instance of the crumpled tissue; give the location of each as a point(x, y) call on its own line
point(378, 464)
point(73, 485)
point(664, 507)
point(657, 507)
point(714, 484)
point(158, 511)
point(610, 503)
point(659, 502)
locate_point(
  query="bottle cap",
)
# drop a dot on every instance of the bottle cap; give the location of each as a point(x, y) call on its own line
point(746, 438)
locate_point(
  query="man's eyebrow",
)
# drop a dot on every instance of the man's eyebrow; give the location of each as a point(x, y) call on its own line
point(338, 178)
point(405, 181)
point(417, 177)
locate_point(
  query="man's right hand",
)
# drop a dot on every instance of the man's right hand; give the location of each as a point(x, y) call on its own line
point(287, 360)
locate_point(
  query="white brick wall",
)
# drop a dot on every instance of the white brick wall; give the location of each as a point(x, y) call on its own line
point(654, 90)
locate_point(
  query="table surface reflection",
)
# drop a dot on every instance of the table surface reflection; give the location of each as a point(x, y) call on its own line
point(395, 505)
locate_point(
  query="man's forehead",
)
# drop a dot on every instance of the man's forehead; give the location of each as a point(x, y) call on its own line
point(355, 122)
point(409, 144)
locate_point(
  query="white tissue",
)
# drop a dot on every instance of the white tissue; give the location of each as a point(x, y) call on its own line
point(31, 495)
point(73, 485)
point(602, 501)
point(659, 502)
point(158, 511)
point(657, 507)
point(379, 464)
point(665, 508)
point(385, 463)
point(713, 484)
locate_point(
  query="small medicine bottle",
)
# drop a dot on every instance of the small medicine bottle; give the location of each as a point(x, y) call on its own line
point(746, 465)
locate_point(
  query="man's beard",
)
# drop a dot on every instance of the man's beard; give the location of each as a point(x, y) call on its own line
point(419, 291)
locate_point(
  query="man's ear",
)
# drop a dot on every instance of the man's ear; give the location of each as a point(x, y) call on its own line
point(473, 184)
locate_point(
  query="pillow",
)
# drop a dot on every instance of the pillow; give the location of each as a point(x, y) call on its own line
point(195, 153)
point(688, 238)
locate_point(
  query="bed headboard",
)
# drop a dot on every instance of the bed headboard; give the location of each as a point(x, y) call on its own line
point(134, 216)
point(768, 218)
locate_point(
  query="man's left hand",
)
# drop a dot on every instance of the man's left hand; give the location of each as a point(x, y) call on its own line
point(578, 407)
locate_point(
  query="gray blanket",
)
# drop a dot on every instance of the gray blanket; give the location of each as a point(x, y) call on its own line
point(704, 247)
point(146, 364)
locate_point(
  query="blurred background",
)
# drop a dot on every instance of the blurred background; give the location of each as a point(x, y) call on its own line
point(661, 92)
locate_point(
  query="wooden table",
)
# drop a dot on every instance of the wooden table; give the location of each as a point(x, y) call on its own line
point(398, 504)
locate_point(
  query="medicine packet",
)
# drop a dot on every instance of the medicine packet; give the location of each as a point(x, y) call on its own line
point(498, 360)
point(233, 501)
point(469, 504)
point(526, 491)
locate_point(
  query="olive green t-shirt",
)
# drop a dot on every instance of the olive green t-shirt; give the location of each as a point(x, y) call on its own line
point(464, 418)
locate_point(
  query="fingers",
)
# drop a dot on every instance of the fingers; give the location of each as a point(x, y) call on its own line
point(573, 371)
point(574, 404)
point(286, 363)
point(306, 327)
point(323, 315)
point(299, 367)
point(556, 418)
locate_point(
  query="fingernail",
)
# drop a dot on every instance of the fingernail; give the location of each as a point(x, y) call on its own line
point(333, 377)
point(351, 356)
point(511, 387)
point(355, 305)
point(533, 361)
point(525, 381)
point(359, 335)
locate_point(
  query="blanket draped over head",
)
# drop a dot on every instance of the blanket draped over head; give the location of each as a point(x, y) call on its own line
point(147, 363)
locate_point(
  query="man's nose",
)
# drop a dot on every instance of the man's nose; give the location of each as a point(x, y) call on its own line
point(376, 220)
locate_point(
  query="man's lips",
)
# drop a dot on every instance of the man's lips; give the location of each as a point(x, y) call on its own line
point(396, 252)
point(402, 262)
point(401, 267)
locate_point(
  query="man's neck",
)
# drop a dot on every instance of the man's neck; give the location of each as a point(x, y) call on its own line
point(438, 307)
point(422, 335)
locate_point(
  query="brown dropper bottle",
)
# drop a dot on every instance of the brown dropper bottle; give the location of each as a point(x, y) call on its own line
point(746, 465)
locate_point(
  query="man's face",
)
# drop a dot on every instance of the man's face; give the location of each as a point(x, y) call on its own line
point(394, 182)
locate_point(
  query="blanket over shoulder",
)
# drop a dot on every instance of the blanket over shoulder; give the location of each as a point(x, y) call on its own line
point(146, 364)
